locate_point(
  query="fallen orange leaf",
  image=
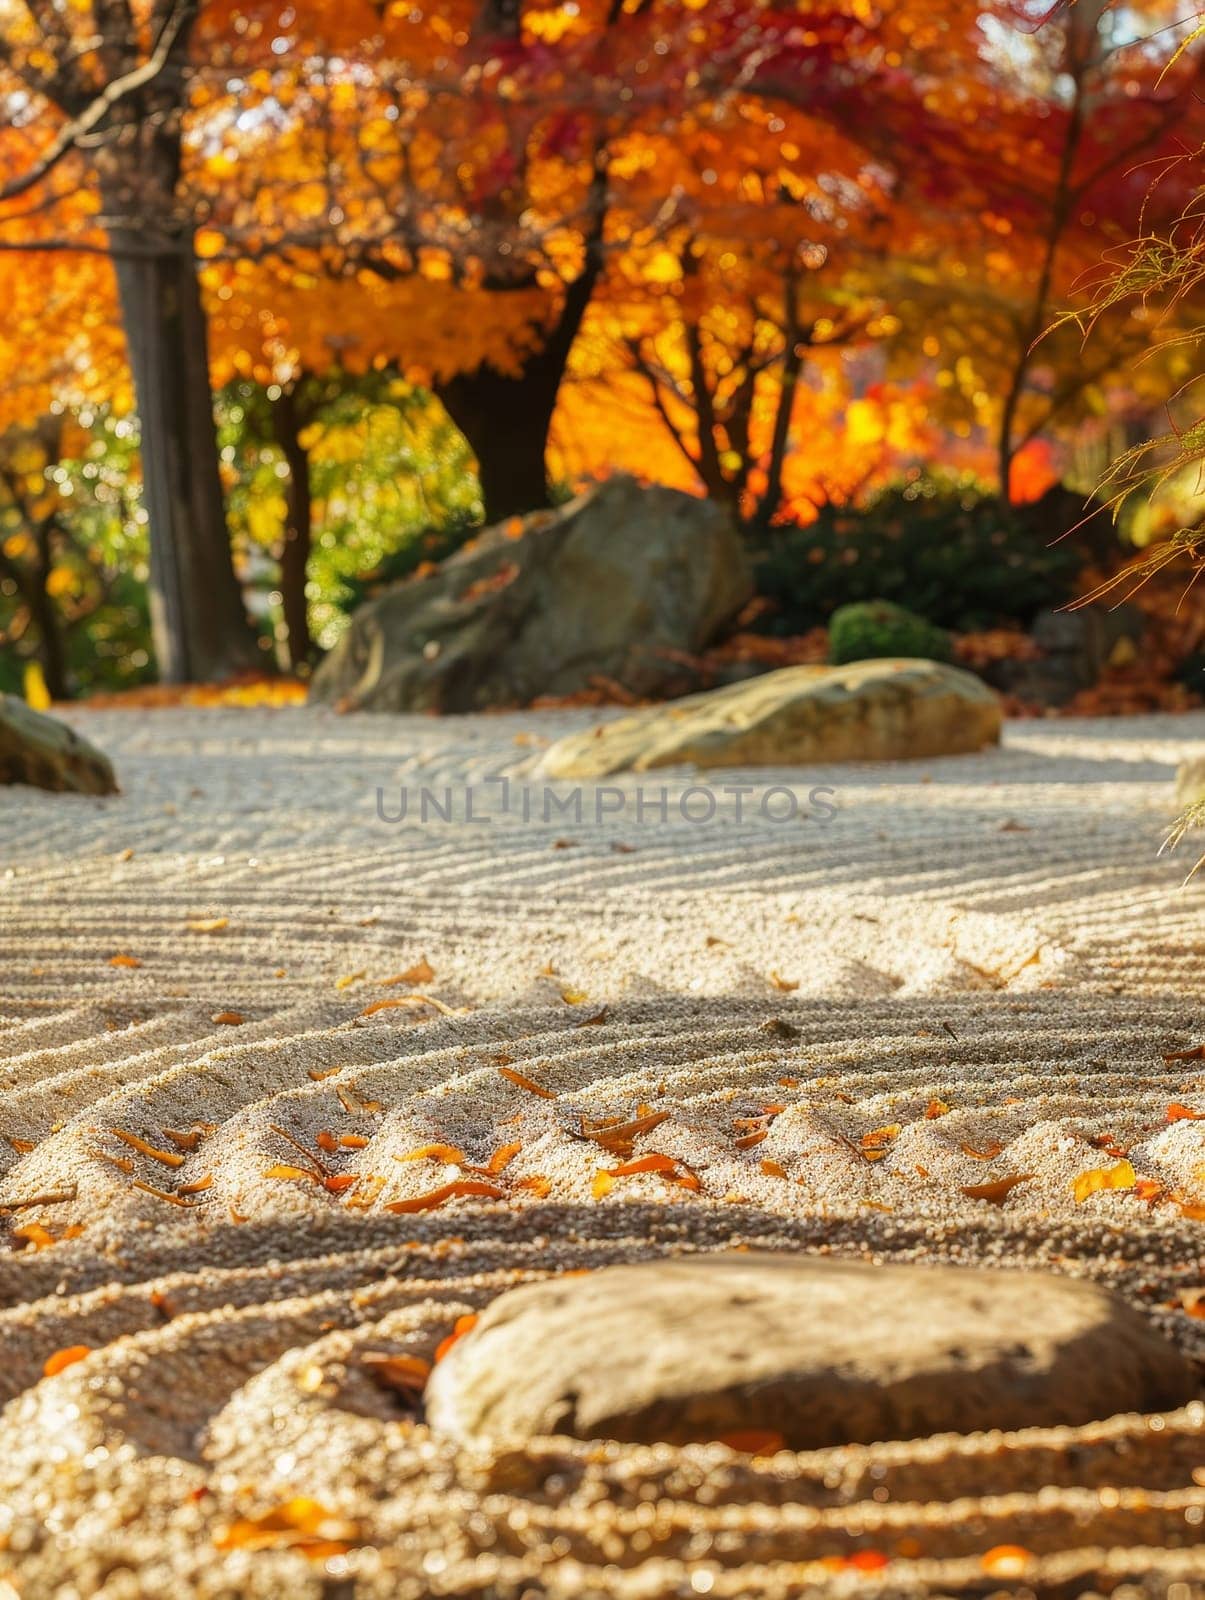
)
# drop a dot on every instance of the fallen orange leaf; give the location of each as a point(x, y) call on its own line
point(867, 1560)
point(653, 1162)
point(231, 1019)
point(448, 1191)
point(988, 1153)
point(408, 1374)
point(1197, 1053)
point(753, 1441)
point(169, 1158)
point(300, 1524)
point(462, 1325)
point(407, 1000)
point(421, 972)
point(498, 1162)
point(1181, 1113)
point(527, 1083)
point(998, 1191)
point(121, 960)
point(773, 1169)
point(62, 1359)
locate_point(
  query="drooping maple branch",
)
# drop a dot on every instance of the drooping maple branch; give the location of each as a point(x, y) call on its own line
point(112, 95)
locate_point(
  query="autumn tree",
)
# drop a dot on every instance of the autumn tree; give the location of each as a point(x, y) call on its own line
point(97, 95)
point(1043, 168)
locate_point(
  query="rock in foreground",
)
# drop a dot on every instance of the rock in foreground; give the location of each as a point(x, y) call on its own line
point(889, 710)
point(613, 585)
point(47, 754)
point(816, 1351)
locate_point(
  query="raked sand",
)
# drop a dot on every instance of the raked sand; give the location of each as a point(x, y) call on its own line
point(972, 971)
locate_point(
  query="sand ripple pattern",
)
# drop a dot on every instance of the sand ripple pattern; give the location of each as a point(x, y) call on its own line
point(975, 971)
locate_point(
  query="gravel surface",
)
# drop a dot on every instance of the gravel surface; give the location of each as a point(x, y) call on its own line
point(850, 1003)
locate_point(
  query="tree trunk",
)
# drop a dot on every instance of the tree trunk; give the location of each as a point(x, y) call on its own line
point(52, 649)
point(198, 622)
point(506, 422)
point(295, 552)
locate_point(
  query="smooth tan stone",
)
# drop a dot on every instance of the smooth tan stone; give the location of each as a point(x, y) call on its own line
point(892, 710)
point(818, 1351)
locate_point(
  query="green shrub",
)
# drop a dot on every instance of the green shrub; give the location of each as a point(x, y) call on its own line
point(960, 558)
point(870, 630)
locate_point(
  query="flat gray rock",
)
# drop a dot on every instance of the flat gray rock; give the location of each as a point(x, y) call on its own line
point(814, 1350)
point(621, 584)
point(889, 710)
point(47, 754)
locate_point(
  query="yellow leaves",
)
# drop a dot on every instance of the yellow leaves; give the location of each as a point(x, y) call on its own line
point(33, 1235)
point(283, 1170)
point(935, 1109)
point(300, 1524)
point(207, 924)
point(875, 1144)
point(447, 1153)
point(785, 985)
point(62, 1359)
point(1122, 1176)
point(352, 977)
point(37, 695)
point(522, 1081)
point(574, 997)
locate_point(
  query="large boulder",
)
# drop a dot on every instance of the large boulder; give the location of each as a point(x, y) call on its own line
point(614, 585)
point(813, 1351)
point(867, 711)
point(46, 753)
point(1073, 649)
